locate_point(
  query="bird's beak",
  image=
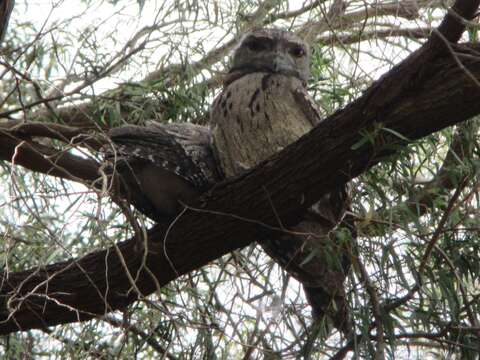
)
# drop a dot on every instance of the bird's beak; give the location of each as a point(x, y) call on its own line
point(283, 65)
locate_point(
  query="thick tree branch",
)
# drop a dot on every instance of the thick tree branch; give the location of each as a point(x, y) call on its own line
point(425, 93)
point(46, 160)
point(64, 133)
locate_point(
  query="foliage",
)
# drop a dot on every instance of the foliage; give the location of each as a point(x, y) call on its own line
point(98, 65)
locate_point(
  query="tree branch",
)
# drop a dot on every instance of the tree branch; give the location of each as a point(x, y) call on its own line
point(425, 93)
point(47, 160)
point(424, 197)
point(322, 31)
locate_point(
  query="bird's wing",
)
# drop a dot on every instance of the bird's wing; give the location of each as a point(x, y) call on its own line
point(183, 149)
point(309, 107)
point(161, 167)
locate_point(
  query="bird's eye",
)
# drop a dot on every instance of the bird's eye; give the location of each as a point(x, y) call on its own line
point(256, 45)
point(298, 51)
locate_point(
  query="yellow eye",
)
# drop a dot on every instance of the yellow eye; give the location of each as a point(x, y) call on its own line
point(298, 51)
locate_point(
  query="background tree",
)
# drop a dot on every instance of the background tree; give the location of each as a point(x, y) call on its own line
point(73, 71)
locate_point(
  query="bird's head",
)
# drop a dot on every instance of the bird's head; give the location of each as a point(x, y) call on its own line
point(272, 50)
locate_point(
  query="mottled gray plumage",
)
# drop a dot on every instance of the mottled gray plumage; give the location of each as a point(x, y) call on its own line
point(247, 120)
point(263, 108)
point(271, 51)
point(169, 164)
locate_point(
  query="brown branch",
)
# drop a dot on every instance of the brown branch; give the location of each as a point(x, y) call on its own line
point(6, 7)
point(345, 39)
point(425, 93)
point(64, 133)
point(375, 305)
point(407, 9)
point(295, 13)
point(46, 160)
point(438, 230)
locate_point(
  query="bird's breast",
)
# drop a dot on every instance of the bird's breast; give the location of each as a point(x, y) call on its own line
point(255, 117)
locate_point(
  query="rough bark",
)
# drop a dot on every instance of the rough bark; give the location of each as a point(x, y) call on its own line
point(425, 93)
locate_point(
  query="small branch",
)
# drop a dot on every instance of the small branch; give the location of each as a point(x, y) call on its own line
point(148, 338)
point(407, 9)
point(440, 226)
point(345, 39)
point(376, 308)
point(425, 93)
point(88, 81)
point(424, 197)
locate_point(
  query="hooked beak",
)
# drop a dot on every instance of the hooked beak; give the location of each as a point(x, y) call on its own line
point(282, 64)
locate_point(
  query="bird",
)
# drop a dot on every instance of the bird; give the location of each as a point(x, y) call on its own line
point(263, 107)
point(161, 167)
